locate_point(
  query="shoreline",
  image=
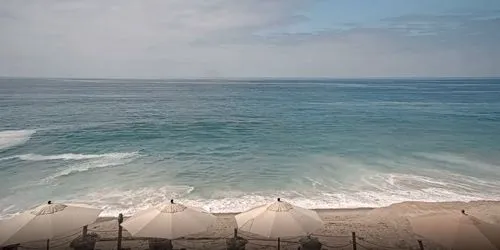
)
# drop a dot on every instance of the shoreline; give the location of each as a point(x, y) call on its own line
point(362, 209)
point(319, 210)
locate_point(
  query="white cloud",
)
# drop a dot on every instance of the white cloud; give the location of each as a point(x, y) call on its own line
point(197, 38)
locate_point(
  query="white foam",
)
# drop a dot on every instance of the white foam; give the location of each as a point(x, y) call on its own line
point(365, 188)
point(130, 201)
point(12, 138)
point(127, 202)
point(394, 188)
point(70, 156)
point(6, 211)
point(90, 162)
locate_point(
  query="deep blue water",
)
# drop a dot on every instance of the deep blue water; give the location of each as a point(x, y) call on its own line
point(229, 145)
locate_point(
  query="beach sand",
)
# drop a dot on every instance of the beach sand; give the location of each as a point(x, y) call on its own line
point(377, 228)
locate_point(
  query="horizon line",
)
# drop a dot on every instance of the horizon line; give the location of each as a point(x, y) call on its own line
point(256, 78)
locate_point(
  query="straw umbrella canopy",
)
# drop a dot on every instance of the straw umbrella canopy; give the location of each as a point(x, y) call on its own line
point(279, 219)
point(46, 222)
point(169, 221)
point(457, 231)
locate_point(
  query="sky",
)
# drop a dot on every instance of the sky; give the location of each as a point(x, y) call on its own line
point(249, 38)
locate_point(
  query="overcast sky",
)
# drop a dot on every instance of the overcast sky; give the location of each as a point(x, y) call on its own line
point(249, 38)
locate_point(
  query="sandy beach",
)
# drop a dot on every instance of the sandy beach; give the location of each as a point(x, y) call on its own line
point(376, 228)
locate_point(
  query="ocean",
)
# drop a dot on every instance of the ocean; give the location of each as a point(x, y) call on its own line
point(229, 145)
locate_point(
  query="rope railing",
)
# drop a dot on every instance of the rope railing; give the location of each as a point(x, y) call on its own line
point(259, 239)
point(227, 236)
point(331, 241)
point(181, 245)
point(103, 231)
point(26, 247)
point(338, 246)
point(61, 244)
point(258, 244)
point(375, 244)
point(289, 241)
point(331, 236)
point(363, 246)
point(68, 236)
point(71, 237)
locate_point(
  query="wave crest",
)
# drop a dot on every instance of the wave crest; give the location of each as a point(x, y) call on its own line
point(71, 156)
point(89, 162)
point(12, 138)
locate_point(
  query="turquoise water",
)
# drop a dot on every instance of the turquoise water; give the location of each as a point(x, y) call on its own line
point(229, 145)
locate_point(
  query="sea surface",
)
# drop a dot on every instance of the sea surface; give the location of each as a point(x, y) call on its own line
point(229, 145)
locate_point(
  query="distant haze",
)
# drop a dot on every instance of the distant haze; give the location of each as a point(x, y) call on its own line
point(244, 38)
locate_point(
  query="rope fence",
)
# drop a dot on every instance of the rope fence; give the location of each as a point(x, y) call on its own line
point(103, 231)
point(65, 243)
point(68, 236)
point(251, 241)
point(338, 246)
point(332, 236)
point(363, 246)
point(375, 244)
point(25, 247)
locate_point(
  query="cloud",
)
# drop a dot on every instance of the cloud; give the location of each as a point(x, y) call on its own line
point(427, 24)
point(226, 38)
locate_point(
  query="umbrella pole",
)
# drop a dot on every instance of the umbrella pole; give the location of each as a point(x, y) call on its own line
point(120, 229)
point(279, 241)
point(48, 244)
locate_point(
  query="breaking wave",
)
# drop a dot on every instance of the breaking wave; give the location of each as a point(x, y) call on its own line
point(70, 156)
point(13, 138)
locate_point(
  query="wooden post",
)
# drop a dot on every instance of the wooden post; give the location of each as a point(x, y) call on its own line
point(170, 246)
point(236, 233)
point(354, 240)
point(421, 245)
point(84, 231)
point(119, 241)
point(279, 241)
point(48, 244)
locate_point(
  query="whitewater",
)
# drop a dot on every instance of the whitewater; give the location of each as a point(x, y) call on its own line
point(229, 145)
point(12, 138)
